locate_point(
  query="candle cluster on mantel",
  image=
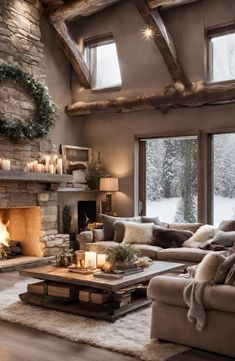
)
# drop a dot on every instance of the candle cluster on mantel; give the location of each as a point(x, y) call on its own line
point(50, 163)
point(5, 164)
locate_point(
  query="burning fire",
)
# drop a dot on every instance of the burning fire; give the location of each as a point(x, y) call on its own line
point(4, 234)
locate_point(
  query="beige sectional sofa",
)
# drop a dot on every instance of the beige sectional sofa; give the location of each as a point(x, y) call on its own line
point(181, 254)
point(169, 315)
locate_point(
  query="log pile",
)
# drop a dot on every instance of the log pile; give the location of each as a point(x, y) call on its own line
point(11, 250)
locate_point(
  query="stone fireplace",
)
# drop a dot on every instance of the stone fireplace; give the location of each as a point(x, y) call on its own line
point(29, 205)
point(30, 212)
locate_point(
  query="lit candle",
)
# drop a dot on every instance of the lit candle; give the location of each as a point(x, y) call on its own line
point(34, 166)
point(59, 166)
point(38, 168)
point(6, 164)
point(101, 259)
point(51, 168)
point(47, 159)
point(90, 260)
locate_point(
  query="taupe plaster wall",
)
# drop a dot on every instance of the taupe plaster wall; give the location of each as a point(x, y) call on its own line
point(143, 70)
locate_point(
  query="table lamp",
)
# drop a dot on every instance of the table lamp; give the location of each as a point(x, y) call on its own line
point(109, 185)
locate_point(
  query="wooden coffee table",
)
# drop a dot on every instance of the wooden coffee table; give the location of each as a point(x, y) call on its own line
point(61, 276)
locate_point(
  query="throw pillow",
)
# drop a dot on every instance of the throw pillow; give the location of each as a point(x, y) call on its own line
point(208, 267)
point(201, 235)
point(169, 238)
point(154, 220)
point(230, 279)
point(227, 226)
point(119, 231)
point(224, 268)
point(193, 227)
point(98, 235)
point(225, 239)
point(138, 233)
point(108, 224)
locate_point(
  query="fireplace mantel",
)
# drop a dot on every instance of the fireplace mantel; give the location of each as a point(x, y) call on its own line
point(35, 177)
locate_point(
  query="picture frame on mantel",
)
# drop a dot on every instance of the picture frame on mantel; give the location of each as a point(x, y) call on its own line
point(76, 160)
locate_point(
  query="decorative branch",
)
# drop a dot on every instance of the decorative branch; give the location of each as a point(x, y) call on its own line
point(199, 95)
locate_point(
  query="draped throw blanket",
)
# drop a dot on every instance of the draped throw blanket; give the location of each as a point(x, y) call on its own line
point(193, 297)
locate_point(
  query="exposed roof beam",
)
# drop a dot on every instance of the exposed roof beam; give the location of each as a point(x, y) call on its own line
point(72, 52)
point(201, 95)
point(75, 8)
point(163, 40)
point(168, 3)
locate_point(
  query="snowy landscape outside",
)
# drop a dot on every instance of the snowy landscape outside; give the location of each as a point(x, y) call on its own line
point(171, 172)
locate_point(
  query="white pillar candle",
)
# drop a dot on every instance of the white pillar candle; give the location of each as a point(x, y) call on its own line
point(6, 164)
point(59, 166)
point(38, 168)
point(47, 159)
point(90, 260)
point(101, 259)
point(51, 169)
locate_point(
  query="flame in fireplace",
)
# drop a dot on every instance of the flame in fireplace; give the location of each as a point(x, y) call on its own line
point(4, 234)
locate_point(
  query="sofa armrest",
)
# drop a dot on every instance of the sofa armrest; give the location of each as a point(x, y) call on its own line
point(168, 289)
point(83, 238)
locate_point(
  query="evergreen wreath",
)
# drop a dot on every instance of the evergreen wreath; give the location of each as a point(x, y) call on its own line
point(17, 129)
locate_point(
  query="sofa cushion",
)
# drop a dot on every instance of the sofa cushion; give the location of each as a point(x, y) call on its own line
point(182, 254)
point(98, 235)
point(201, 235)
point(138, 233)
point(108, 224)
point(147, 250)
point(154, 220)
point(227, 226)
point(100, 246)
point(208, 267)
point(169, 238)
point(193, 227)
point(224, 268)
point(225, 239)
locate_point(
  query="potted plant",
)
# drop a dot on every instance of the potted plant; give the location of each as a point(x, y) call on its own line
point(122, 257)
point(93, 174)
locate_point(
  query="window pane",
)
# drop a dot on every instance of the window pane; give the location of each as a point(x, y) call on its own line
point(223, 57)
point(224, 177)
point(105, 70)
point(171, 179)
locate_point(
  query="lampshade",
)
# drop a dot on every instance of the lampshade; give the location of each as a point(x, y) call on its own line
point(109, 184)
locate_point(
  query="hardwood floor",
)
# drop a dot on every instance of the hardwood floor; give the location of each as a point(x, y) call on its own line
point(18, 343)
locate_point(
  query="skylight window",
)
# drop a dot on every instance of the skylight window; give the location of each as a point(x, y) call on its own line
point(222, 57)
point(102, 60)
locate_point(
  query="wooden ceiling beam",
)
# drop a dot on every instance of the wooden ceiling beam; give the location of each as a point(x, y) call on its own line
point(201, 95)
point(153, 4)
point(74, 8)
point(72, 52)
point(163, 41)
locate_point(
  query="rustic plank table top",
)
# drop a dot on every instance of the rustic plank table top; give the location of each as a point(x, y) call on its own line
point(62, 275)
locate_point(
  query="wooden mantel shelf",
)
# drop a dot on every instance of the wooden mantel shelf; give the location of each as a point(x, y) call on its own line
point(35, 177)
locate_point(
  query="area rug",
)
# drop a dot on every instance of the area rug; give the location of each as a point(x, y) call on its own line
point(129, 335)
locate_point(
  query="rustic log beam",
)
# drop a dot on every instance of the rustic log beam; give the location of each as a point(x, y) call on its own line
point(153, 4)
point(163, 40)
point(72, 52)
point(75, 8)
point(201, 95)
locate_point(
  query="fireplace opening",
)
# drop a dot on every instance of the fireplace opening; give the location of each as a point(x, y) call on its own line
point(20, 231)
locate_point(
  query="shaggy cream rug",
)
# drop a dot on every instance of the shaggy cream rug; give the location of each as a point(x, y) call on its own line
point(128, 335)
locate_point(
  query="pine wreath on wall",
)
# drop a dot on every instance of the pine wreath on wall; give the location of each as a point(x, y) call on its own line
point(17, 129)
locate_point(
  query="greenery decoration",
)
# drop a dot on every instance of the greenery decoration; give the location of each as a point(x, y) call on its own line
point(66, 218)
point(122, 254)
point(17, 129)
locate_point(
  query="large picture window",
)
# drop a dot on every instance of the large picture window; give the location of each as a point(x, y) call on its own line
point(188, 178)
point(223, 177)
point(171, 178)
